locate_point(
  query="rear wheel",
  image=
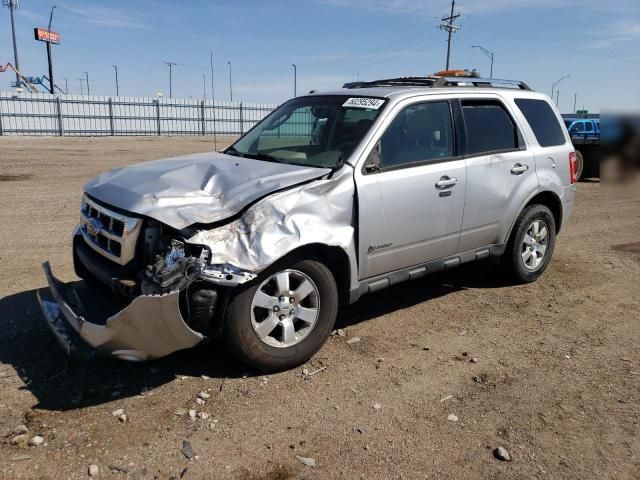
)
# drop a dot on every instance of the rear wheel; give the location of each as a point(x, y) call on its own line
point(531, 245)
point(284, 317)
point(579, 165)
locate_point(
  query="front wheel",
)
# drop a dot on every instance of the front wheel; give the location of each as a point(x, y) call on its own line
point(531, 244)
point(284, 317)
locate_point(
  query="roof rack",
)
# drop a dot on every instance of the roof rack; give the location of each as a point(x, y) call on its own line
point(444, 81)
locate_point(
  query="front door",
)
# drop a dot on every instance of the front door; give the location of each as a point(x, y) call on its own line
point(410, 210)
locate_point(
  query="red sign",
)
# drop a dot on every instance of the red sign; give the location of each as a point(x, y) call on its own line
point(45, 35)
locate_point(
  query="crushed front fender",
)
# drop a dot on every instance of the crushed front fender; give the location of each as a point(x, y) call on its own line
point(151, 326)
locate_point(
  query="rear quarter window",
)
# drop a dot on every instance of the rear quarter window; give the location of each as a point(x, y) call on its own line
point(543, 121)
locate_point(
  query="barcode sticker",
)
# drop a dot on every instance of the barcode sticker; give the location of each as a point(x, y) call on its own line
point(364, 102)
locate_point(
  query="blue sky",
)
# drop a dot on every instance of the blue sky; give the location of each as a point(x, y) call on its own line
point(332, 42)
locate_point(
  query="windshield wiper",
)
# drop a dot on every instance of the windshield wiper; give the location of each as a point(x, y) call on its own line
point(266, 157)
point(235, 152)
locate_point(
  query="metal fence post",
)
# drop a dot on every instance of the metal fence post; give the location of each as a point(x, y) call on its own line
point(111, 123)
point(241, 120)
point(204, 125)
point(158, 115)
point(1, 129)
point(60, 124)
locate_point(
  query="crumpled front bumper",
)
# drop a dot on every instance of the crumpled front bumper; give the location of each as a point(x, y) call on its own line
point(151, 326)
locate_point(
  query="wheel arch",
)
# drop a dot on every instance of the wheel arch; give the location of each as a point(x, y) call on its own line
point(550, 200)
point(547, 198)
point(334, 258)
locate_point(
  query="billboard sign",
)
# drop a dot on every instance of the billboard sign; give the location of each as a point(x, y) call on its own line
point(44, 35)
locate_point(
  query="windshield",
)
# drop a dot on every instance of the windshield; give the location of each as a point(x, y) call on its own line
point(311, 131)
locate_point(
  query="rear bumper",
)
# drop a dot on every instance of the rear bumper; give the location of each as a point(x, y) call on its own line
point(151, 326)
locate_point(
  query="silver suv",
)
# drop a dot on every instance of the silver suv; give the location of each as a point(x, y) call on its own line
point(332, 196)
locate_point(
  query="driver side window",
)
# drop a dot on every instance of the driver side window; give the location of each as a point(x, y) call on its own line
point(419, 133)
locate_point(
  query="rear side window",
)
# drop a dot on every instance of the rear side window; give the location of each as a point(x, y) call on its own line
point(543, 121)
point(489, 127)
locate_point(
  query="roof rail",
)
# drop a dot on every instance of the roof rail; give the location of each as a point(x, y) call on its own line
point(436, 81)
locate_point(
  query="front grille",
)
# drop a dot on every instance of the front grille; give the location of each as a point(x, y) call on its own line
point(109, 233)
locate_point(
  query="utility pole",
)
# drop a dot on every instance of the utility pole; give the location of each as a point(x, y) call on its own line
point(213, 90)
point(295, 80)
point(448, 26)
point(115, 67)
point(170, 65)
point(230, 82)
point(51, 83)
point(13, 5)
point(488, 54)
point(81, 88)
point(204, 86)
point(66, 85)
point(575, 100)
point(86, 76)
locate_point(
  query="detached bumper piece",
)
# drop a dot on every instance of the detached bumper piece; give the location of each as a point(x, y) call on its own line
point(151, 326)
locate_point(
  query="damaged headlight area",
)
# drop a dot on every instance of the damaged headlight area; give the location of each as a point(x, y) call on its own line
point(176, 264)
point(168, 297)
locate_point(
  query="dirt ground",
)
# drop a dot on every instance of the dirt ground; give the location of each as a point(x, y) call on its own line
point(549, 371)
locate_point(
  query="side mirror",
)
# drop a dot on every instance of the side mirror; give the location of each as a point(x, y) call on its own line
point(374, 160)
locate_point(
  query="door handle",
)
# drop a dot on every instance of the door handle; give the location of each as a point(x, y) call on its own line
point(519, 169)
point(446, 182)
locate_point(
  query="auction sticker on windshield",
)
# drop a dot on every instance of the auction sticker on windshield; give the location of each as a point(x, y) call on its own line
point(364, 102)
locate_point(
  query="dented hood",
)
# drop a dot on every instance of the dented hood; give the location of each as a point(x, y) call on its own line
point(201, 188)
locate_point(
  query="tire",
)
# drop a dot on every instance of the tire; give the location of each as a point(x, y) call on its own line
point(259, 318)
point(522, 258)
point(579, 165)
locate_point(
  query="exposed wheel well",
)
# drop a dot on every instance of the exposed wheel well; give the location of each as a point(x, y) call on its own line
point(552, 202)
point(335, 258)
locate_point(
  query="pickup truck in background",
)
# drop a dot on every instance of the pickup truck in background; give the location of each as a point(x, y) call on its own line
point(585, 136)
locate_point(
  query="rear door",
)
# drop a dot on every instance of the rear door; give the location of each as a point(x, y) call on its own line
point(410, 210)
point(500, 171)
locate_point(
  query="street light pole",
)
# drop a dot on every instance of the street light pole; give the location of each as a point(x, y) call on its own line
point(556, 83)
point(51, 83)
point(115, 67)
point(13, 4)
point(86, 75)
point(488, 54)
point(204, 86)
point(66, 85)
point(295, 80)
point(230, 82)
point(81, 89)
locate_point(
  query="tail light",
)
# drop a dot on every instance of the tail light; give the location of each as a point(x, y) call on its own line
point(572, 167)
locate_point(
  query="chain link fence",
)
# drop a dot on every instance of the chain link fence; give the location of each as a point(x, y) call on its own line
point(75, 115)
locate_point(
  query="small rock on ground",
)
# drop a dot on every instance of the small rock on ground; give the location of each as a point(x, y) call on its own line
point(94, 470)
point(118, 412)
point(36, 441)
point(187, 450)
point(353, 340)
point(452, 418)
point(501, 453)
point(309, 462)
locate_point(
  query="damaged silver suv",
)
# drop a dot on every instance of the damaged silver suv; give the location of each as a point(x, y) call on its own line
point(332, 196)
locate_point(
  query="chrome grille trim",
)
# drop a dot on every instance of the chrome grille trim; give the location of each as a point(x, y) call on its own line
point(111, 234)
